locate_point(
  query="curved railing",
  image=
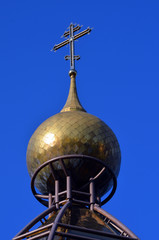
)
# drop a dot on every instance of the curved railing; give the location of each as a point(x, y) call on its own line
point(61, 159)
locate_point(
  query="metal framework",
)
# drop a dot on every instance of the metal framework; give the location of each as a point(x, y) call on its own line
point(61, 201)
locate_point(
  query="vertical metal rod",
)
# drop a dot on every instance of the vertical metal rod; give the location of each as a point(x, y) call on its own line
point(57, 193)
point(92, 194)
point(72, 64)
point(69, 188)
point(52, 171)
point(63, 167)
point(50, 202)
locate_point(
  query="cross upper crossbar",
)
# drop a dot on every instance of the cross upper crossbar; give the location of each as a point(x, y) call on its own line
point(70, 41)
point(77, 28)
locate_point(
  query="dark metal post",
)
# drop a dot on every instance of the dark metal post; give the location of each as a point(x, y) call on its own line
point(57, 193)
point(50, 202)
point(69, 188)
point(72, 62)
point(92, 194)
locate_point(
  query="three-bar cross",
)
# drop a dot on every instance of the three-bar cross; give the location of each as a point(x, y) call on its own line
point(70, 41)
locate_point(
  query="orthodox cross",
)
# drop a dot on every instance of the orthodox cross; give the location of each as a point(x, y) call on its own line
point(70, 41)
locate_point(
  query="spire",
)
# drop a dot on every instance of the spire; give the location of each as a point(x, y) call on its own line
point(72, 103)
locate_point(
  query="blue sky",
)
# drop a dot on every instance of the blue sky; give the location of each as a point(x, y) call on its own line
point(117, 80)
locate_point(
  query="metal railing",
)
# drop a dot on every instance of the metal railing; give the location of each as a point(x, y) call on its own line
point(61, 201)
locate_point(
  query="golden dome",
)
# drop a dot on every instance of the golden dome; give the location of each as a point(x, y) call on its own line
point(72, 131)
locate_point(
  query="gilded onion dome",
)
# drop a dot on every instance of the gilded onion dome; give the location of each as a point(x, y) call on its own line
point(73, 131)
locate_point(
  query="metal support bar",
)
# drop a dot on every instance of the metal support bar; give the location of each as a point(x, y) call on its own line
point(50, 200)
point(69, 187)
point(116, 221)
point(57, 220)
point(64, 167)
point(103, 169)
point(62, 193)
point(80, 201)
point(93, 231)
point(33, 232)
point(43, 196)
point(39, 236)
point(41, 222)
point(62, 202)
point(35, 220)
point(82, 193)
point(52, 171)
point(57, 194)
point(92, 194)
point(50, 203)
point(74, 236)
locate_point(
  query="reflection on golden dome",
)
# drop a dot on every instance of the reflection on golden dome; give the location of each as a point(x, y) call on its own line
point(72, 131)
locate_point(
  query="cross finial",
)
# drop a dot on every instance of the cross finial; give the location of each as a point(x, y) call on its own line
point(70, 40)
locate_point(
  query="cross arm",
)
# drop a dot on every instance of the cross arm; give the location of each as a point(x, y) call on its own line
point(56, 47)
point(78, 35)
point(77, 28)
